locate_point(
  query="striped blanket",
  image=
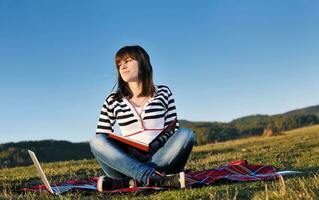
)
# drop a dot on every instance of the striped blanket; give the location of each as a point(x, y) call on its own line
point(234, 171)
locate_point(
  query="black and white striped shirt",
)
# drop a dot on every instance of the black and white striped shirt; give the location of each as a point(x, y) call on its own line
point(156, 114)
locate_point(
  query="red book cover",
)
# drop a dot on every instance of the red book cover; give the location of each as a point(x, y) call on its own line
point(141, 145)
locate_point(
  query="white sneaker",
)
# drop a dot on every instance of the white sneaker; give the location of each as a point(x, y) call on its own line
point(103, 184)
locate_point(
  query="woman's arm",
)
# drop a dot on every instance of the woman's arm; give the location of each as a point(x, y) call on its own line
point(107, 118)
point(171, 114)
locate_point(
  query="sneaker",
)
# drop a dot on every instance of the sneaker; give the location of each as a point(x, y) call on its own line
point(106, 183)
point(172, 180)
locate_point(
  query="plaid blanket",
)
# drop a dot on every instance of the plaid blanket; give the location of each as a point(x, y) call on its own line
point(234, 171)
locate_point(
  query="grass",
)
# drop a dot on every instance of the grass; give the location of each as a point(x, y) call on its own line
point(292, 150)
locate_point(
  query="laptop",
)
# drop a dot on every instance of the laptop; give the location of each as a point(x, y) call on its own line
point(53, 190)
point(58, 189)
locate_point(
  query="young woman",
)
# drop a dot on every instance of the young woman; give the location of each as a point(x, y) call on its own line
point(136, 106)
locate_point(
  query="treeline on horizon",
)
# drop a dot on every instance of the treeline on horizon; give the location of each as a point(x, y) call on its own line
point(209, 132)
point(15, 154)
point(253, 125)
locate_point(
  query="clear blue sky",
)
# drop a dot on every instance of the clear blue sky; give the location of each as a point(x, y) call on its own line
point(222, 59)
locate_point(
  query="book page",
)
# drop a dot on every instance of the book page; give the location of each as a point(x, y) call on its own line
point(146, 136)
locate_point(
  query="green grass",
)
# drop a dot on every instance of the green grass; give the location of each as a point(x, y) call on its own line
point(292, 150)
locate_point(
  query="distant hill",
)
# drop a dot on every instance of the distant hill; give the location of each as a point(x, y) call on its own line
point(15, 154)
point(312, 110)
point(207, 132)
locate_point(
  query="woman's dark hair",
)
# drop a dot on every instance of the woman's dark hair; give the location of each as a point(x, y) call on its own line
point(145, 71)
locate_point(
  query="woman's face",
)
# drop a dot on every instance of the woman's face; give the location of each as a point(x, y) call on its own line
point(128, 69)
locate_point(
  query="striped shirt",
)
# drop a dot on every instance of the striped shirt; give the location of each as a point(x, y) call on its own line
point(155, 115)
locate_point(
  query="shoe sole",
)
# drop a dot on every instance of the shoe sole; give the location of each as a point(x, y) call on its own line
point(182, 179)
point(99, 184)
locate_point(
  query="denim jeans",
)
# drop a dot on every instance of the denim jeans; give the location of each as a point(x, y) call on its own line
point(116, 162)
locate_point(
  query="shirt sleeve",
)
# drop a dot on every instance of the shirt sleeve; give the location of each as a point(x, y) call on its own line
point(171, 114)
point(106, 119)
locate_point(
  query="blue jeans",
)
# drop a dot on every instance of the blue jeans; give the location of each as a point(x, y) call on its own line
point(116, 162)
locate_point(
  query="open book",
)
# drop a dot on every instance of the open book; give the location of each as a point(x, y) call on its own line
point(145, 146)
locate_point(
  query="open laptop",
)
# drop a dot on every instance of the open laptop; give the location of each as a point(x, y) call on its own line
point(58, 189)
point(55, 190)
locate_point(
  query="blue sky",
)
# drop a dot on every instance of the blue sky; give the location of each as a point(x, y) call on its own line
point(222, 59)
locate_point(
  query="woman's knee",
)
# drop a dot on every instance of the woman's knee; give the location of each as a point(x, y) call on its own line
point(173, 156)
point(96, 141)
point(187, 135)
point(182, 139)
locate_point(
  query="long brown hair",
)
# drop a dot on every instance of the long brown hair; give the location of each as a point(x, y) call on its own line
point(145, 71)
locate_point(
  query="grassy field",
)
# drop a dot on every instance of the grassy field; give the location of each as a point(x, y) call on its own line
point(292, 150)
